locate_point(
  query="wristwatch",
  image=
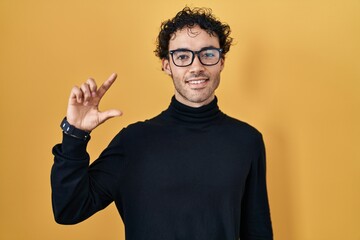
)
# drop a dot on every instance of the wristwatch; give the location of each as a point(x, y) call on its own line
point(73, 131)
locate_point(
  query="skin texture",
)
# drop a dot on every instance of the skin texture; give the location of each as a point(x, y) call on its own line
point(83, 106)
point(188, 89)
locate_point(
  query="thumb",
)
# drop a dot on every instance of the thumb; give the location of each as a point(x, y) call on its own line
point(103, 116)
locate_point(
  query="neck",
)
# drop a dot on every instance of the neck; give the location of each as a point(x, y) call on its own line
point(192, 116)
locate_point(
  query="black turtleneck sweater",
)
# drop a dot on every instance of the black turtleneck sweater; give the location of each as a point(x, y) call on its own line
point(187, 174)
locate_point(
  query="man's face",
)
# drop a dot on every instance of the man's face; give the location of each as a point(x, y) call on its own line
point(195, 84)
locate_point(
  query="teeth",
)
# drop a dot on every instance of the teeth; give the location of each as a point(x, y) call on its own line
point(196, 82)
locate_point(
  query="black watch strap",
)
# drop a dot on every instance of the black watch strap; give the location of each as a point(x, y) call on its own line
point(73, 131)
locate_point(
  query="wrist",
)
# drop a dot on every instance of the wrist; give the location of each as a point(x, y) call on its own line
point(73, 131)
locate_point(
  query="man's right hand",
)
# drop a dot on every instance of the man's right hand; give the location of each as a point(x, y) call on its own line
point(83, 107)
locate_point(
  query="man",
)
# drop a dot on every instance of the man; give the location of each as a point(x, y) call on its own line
point(190, 173)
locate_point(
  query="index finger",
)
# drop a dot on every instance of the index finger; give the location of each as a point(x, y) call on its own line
point(106, 85)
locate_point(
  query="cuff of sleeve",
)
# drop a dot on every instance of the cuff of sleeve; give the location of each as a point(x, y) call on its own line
point(74, 147)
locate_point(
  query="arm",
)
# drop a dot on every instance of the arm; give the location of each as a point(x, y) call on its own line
point(255, 217)
point(77, 191)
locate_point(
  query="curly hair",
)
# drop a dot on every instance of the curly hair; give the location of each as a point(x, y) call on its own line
point(187, 17)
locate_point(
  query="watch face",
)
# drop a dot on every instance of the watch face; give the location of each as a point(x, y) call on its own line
point(72, 131)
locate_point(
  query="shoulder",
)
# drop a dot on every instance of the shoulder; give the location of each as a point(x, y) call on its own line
point(239, 125)
point(138, 129)
point(143, 125)
point(241, 132)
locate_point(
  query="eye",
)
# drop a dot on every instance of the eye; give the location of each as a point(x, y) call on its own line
point(208, 54)
point(182, 56)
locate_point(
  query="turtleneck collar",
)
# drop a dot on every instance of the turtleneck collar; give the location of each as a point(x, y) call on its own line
point(185, 114)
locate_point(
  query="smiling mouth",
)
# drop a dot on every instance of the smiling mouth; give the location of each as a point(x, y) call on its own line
point(196, 81)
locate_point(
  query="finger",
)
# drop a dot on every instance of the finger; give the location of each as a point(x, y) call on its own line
point(92, 85)
point(109, 114)
point(76, 95)
point(106, 85)
point(85, 88)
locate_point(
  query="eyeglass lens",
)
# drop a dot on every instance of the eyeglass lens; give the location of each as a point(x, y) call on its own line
point(207, 57)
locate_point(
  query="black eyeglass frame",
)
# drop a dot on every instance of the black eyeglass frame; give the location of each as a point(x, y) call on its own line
point(171, 52)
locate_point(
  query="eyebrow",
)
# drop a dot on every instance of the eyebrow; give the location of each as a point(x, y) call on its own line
point(186, 49)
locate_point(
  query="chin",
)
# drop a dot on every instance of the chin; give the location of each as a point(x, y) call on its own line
point(201, 100)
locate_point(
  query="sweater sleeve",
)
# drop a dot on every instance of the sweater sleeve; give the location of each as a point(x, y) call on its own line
point(255, 217)
point(80, 190)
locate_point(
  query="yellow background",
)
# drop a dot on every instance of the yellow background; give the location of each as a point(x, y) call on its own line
point(294, 73)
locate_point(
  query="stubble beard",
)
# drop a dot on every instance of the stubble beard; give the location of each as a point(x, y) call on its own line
point(196, 96)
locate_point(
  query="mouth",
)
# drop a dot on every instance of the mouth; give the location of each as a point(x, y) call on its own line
point(197, 83)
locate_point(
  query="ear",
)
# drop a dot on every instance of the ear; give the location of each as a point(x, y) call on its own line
point(222, 64)
point(166, 66)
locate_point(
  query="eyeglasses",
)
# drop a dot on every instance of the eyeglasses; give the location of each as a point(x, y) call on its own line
point(207, 56)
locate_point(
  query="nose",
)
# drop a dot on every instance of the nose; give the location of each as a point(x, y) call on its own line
point(196, 66)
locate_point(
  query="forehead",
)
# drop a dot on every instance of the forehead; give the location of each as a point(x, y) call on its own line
point(193, 38)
